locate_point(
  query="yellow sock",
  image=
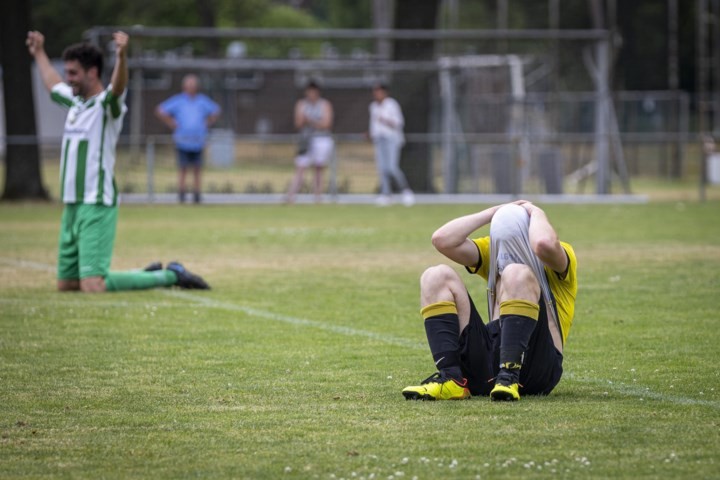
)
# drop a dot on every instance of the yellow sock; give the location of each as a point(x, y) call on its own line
point(520, 307)
point(438, 308)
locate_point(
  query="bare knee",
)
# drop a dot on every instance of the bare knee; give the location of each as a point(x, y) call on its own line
point(518, 282)
point(439, 283)
point(442, 283)
point(438, 275)
point(68, 285)
point(92, 285)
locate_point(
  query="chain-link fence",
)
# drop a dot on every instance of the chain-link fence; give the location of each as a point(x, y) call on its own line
point(539, 120)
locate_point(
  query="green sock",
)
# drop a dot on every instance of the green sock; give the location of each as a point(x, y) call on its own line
point(139, 280)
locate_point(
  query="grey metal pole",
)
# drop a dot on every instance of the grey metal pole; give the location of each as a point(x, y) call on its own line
point(684, 122)
point(382, 12)
point(355, 33)
point(702, 69)
point(714, 54)
point(150, 162)
point(674, 82)
point(673, 70)
point(502, 22)
point(448, 148)
point(332, 181)
point(602, 91)
point(136, 107)
point(554, 23)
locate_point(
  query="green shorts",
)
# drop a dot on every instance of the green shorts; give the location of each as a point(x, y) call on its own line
point(87, 235)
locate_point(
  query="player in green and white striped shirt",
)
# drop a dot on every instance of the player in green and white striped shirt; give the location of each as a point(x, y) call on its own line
point(87, 180)
point(92, 128)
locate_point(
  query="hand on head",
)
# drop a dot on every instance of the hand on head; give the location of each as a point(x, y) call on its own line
point(529, 206)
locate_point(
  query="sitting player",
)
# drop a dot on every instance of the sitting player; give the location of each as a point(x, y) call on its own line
point(532, 285)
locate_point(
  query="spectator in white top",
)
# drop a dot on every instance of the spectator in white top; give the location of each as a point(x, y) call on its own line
point(314, 120)
point(386, 133)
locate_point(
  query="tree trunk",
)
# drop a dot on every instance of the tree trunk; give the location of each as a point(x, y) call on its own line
point(23, 179)
point(415, 89)
point(207, 13)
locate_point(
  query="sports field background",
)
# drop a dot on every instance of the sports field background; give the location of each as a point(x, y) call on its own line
point(292, 366)
point(264, 167)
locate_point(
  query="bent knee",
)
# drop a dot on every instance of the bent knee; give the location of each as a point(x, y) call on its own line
point(438, 284)
point(518, 274)
point(518, 281)
point(92, 285)
point(68, 285)
point(439, 274)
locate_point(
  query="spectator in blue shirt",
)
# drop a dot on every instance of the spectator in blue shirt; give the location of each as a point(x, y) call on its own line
point(189, 115)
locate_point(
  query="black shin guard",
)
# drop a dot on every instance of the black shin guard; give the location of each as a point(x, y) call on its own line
point(443, 333)
point(515, 332)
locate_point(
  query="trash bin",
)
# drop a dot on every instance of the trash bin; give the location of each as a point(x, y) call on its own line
point(550, 166)
point(713, 168)
point(502, 168)
point(221, 148)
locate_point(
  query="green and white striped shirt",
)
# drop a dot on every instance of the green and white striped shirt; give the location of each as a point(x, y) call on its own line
point(92, 128)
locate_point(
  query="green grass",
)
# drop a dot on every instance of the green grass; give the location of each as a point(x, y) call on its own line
point(292, 366)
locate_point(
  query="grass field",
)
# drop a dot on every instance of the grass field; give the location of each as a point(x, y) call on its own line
point(292, 366)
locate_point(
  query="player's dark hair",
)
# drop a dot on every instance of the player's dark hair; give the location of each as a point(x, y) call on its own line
point(380, 86)
point(87, 55)
point(312, 84)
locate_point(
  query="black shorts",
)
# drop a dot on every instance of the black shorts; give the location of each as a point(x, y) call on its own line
point(188, 158)
point(480, 356)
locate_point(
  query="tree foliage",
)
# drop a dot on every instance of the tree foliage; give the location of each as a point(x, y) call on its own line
point(343, 13)
point(417, 89)
point(642, 60)
point(64, 25)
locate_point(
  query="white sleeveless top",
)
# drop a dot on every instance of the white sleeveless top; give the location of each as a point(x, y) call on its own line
point(314, 112)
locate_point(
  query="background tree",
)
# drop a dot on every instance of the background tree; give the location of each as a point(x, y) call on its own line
point(342, 13)
point(417, 88)
point(23, 179)
point(643, 60)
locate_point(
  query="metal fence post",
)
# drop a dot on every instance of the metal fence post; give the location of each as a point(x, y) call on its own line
point(602, 59)
point(449, 164)
point(150, 161)
point(332, 185)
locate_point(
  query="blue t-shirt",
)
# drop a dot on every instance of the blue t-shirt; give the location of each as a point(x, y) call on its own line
point(190, 114)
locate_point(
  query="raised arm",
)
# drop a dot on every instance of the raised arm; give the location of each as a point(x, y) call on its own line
point(119, 79)
point(36, 46)
point(544, 240)
point(452, 239)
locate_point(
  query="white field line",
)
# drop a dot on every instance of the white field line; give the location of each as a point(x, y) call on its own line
point(627, 390)
point(622, 389)
point(69, 303)
point(353, 332)
point(635, 390)
point(615, 286)
point(43, 267)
